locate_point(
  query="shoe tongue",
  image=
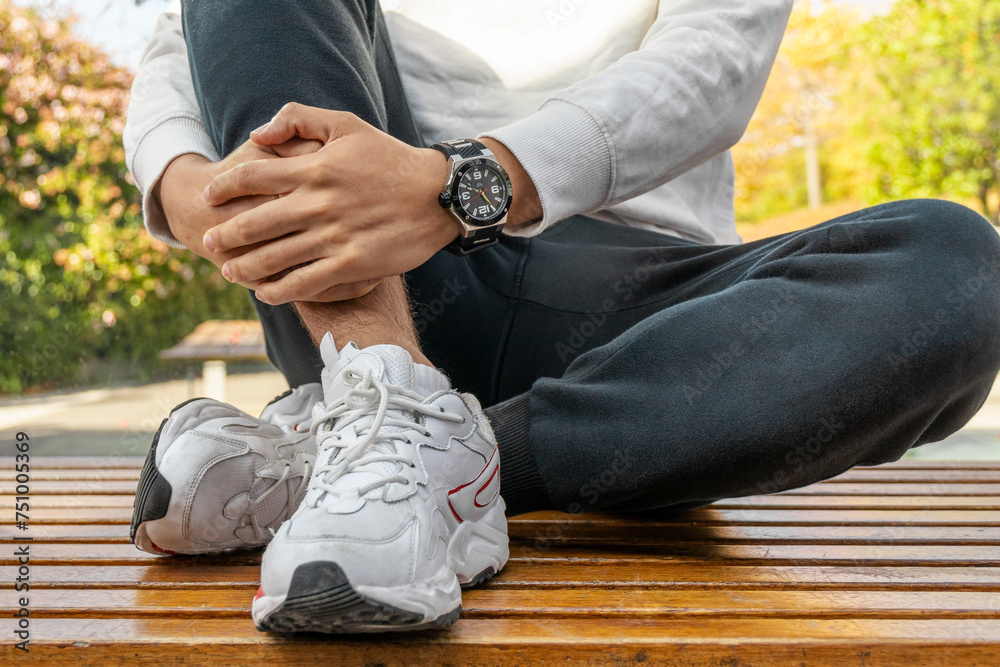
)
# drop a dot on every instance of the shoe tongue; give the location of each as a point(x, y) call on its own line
point(389, 364)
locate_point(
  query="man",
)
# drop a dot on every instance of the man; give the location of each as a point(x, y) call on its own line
point(633, 356)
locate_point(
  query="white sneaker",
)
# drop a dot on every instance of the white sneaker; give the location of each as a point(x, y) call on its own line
point(216, 478)
point(402, 510)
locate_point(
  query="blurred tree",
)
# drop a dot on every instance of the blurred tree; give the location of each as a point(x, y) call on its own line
point(779, 162)
point(932, 108)
point(79, 278)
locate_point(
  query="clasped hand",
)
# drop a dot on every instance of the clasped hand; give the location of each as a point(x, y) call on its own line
point(361, 208)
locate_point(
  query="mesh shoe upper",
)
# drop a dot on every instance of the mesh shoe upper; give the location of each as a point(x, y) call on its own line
point(233, 478)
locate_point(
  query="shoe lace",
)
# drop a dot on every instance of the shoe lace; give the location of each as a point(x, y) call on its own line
point(368, 397)
point(290, 505)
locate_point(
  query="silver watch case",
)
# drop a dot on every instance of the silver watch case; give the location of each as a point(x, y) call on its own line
point(470, 229)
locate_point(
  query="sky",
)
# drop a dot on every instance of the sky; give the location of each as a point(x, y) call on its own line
point(122, 27)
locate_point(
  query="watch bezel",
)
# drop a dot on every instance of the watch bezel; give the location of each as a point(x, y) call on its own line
point(456, 206)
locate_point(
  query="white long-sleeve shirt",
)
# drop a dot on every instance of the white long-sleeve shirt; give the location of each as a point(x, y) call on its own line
point(621, 109)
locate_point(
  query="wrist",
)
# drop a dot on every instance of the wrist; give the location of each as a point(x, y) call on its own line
point(526, 206)
point(443, 228)
point(176, 190)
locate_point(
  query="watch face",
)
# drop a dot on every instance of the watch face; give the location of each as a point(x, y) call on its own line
point(483, 192)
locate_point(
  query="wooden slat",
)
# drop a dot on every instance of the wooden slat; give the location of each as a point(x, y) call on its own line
point(857, 475)
point(89, 462)
point(777, 554)
point(880, 475)
point(137, 461)
point(79, 500)
point(165, 573)
point(126, 487)
point(929, 464)
point(57, 488)
point(598, 532)
point(168, 575)
point(786, 501)
point(682, 641)
point(568, 603)
point(704, 516)
point(78, 515)
point(835, 487)
point(77, 478)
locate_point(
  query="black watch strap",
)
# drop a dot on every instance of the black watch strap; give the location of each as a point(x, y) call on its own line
point(461, 147)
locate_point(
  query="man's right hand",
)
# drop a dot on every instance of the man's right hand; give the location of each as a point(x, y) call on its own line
point(180, 192)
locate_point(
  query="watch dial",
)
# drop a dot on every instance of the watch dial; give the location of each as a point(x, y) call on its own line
point(482, 192)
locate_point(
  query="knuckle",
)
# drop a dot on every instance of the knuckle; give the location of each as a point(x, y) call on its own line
point(245, 232)
point(349, 258)
point(266, 264)
point(245, 173)
point(317, 208)
point(315, 172)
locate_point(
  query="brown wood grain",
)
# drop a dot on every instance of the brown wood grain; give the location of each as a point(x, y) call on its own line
point(73, 475)
point(39, 501)
point(570, 602)
point(167, 573)
point(548, 533)
point(856, 475)
point(777, 554)
point(894, 565)
point(704, 516)
point(682, 641)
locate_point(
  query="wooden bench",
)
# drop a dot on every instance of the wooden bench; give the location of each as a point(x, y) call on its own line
point(895, 565)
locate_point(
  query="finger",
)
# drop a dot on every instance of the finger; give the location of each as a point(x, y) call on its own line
point(257, 177)
point(347, 291)
point(266, 222)
point(304, 283)
point(271, 259)
point(296, 146)
point(299, 120)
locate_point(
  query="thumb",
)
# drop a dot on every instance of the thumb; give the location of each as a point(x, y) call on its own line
point(299, 120)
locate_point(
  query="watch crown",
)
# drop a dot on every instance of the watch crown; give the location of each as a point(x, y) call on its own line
point(445, 200)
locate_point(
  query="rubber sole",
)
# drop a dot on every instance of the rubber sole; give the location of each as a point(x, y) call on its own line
point(152, 495)
point(480, 578)
point(321, 599)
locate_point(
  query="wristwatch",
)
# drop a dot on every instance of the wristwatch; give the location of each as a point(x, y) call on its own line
point(477, 192)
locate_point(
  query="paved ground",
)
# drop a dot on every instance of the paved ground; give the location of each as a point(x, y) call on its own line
point(119, 421)
point(122, 421)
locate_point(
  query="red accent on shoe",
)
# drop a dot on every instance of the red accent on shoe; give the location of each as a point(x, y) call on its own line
point(489, 480)
point(260, 593)
point(483, 487)
point(162, 551)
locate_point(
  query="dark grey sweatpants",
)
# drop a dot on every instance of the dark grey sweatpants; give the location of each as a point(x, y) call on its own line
point(657, 372)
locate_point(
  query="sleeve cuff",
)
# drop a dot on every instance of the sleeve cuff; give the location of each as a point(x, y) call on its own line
point(568, 156)
point(173, 137)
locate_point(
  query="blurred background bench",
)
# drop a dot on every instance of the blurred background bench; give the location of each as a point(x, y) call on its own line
point(215, 342)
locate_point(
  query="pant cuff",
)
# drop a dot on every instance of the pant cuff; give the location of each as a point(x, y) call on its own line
point(521, 484)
